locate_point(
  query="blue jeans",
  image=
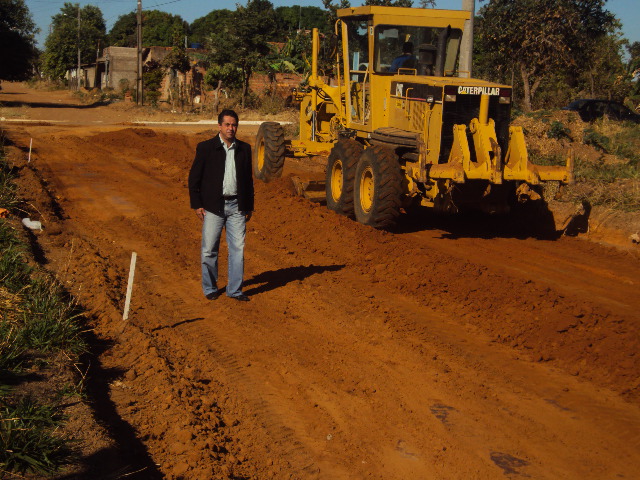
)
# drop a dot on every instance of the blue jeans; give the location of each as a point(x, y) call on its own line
point(235, 223)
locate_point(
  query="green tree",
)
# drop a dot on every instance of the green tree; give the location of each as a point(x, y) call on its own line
point(332, 9)
point(17, 44)
point(390, 3)
point(177, 61)
point(633, 68)
point(152, 75)
point(123, 33)
point(177, 58)
point(242, 44)
point(290, 19)
point(158, 29)
point(203, 27)
point(604, 75)
point(61, 45)
point(536, 40)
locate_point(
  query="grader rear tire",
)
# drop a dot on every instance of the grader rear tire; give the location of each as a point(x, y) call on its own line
point(378, 188)
point(341, 170)
point(268, 157)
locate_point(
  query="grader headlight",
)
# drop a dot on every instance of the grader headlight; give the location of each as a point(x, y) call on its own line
point(505, 96)
point(450, 93)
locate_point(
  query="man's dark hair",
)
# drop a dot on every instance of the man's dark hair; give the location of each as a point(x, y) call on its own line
point(407, 47)
point(227, 113)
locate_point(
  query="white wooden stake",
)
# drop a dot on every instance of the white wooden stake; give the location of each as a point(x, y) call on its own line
point(132, 270)
point(30, 145)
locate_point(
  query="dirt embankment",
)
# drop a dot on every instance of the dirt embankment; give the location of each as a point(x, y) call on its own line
point(455, 348)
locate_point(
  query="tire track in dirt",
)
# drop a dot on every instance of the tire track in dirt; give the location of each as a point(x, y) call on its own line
point(382, 351)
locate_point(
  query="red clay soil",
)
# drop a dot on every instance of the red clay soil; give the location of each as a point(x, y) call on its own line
point(446, 349)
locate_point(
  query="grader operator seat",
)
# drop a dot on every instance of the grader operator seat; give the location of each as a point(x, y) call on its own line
point(426, 59)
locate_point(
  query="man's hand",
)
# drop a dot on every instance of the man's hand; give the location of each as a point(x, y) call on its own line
point(200, 213)
point(247, 216)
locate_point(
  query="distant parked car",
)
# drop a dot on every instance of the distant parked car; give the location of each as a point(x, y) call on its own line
point(590, 110)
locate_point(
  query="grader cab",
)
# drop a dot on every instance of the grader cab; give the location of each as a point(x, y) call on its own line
point(400, 126)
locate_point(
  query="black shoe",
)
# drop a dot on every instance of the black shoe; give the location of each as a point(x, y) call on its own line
point(241, 298)
point(213, 295)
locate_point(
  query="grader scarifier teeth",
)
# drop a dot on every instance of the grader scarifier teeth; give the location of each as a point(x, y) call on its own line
point(489, 164)
point(518, 167)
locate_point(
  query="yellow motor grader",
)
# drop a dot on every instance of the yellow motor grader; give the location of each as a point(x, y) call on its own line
point(403, 131)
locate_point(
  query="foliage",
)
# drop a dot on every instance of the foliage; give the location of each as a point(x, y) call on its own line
point(61, 45)
point(36, 316)
point(229, 74)
point(241, 44)
point(152, 75)
point(332, 9)
point(558, 130)
point(28, 442)
point(177, 58)
point(390, 3)
point(17, 43)
point(123, 33)
point(291, 19)
point(158, 29)
point(203, 27)
point(297, 51)
point(8, 193)
point(539, 40)
point(597, 140)
point(48, 319)
point(604, 74)
point(633, 68)
point(271, 105)
point(615, 144)
point(177, 61)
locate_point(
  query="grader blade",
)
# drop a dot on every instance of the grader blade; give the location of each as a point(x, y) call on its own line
point(312, 190)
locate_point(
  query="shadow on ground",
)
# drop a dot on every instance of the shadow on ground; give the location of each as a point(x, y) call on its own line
point(537, 222)
point(273, 279)
point(129, 458)
point(17, 103)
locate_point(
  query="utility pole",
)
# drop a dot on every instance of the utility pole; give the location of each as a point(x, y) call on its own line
point(139, 97)
point(78, 71)
point(466, 47)
point(95, 74)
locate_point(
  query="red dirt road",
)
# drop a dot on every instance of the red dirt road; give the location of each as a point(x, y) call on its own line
point(445, 350)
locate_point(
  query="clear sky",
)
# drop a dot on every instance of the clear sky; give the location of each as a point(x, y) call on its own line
point(627, 11)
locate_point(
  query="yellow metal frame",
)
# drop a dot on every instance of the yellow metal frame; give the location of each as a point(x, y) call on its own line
point(324, 109)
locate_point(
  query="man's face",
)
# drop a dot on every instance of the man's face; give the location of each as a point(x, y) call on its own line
point(228, 129)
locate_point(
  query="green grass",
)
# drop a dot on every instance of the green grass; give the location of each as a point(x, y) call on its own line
point(38, 320)
point(8, 192)
point(624, 144)
point(558, 130)
point(552, 159)
point(605, 172)
point(28, 439)
point(542, 115)
point(605, 194)
point(49, 318)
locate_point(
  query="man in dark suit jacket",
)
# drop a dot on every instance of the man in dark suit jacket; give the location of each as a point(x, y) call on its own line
point(221, 193)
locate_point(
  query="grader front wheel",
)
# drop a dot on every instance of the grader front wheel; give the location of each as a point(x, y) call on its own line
point(341, 170)
point(378, 188)
point(268, 158)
